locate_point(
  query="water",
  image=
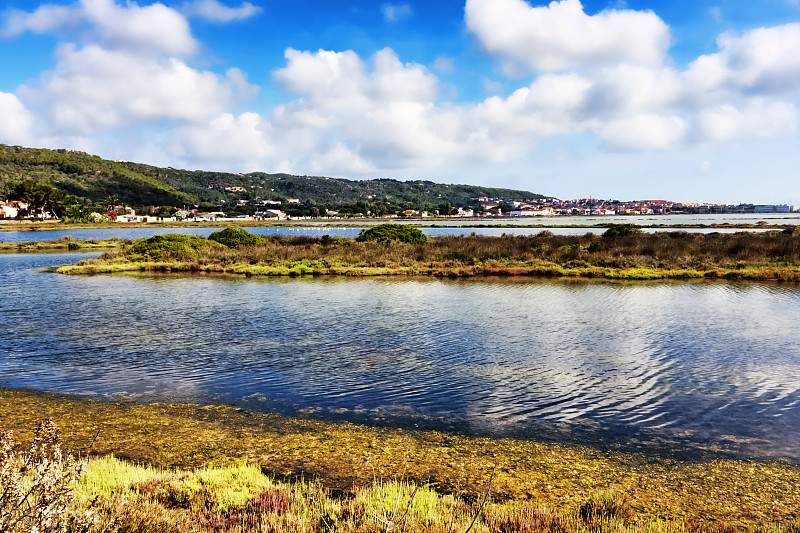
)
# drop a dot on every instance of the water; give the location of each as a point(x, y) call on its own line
point(354, 228)
point(655, 366)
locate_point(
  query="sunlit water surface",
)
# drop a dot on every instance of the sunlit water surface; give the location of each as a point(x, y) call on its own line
point(656, 366)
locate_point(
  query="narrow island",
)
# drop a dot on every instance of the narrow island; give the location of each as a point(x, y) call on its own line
point(623, 251)
point(67, 243)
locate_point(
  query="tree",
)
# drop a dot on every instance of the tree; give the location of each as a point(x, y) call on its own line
point(40, 197)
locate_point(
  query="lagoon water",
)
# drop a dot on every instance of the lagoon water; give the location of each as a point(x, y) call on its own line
point(573, 225)
point(706, 368)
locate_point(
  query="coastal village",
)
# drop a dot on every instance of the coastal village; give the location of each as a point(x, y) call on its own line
point(479, 207)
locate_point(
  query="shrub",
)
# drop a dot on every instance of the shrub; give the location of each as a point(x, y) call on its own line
point(234, 237)
point(392, 232)
point(158, 246)
point(36, 488)
point(621, 230)
point(328, 240)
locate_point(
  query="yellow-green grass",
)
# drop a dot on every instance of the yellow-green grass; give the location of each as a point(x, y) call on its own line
point(345, 456)
point(534, 268)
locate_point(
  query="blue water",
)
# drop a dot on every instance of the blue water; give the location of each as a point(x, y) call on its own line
point(313, 231)
point(709, 367)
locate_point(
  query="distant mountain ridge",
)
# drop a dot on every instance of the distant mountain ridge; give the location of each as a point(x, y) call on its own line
point(89, 176)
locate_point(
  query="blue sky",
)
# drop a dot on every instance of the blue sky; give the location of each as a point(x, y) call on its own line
point(681, 100)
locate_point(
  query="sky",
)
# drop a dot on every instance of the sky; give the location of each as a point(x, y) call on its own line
point(683, 100)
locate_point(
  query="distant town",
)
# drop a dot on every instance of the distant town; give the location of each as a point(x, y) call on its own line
point(261, 209)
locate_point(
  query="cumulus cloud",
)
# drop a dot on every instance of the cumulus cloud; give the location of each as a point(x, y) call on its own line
point(562, 36)
point(760, 62)
point(154, 28)
point(757, 119)
point(214, 10)
point(15, 120)
point(45, 18)
point(605, 75)
point(395, 13)
point(245, 138)
point(93, 89)
point(643, 132)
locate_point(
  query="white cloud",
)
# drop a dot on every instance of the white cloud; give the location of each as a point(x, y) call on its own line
point(15, 120)
point(643, 132)
point(214, 10)
point(154, 28)
point(490, 85)
point(444, 64)
point(758, 119)
point(765, 61)
point(225, 138)
point(94, 89)
point(45, 18)
point(395, 13)
point(562, 36)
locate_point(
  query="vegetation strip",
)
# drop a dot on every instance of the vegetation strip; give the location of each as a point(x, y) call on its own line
point(53, 225)
point(622, 252)
point(64, 243)
point(348, 458)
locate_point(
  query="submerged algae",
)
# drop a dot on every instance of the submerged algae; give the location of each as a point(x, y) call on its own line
point(344, 455)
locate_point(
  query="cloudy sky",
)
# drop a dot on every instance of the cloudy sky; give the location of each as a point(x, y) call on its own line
point(687, 100)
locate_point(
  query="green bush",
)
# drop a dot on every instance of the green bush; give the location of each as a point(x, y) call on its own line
point(392, 232)
point(234, 237)
point(157, 246)
point(621, 230)
point(328, 240)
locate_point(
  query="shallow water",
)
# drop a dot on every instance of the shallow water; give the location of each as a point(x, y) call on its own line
point(348, 230)
point(648, 365)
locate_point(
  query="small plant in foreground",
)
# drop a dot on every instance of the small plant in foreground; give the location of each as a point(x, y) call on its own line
point(36, 488)
point(606, 505)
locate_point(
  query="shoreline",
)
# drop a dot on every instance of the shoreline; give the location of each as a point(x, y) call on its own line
point(341, 456)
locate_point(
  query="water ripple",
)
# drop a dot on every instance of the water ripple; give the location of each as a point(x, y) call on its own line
point(625, 361)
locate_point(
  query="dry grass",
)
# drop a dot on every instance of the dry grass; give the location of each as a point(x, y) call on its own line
point(769, 255)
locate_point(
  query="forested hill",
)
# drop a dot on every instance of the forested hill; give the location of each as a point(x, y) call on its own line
point(91, 177)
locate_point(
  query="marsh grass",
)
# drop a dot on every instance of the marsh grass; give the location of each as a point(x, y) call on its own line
point(214, 464)
point(676, 255)
point(240, 498)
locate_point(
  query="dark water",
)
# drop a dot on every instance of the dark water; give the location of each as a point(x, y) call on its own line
point(656, 366)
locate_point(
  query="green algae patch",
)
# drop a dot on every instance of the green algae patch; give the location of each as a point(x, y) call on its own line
point(344, 455)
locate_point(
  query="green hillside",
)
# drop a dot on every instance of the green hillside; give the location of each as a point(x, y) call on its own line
point(95, 179)
point(85, 176)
